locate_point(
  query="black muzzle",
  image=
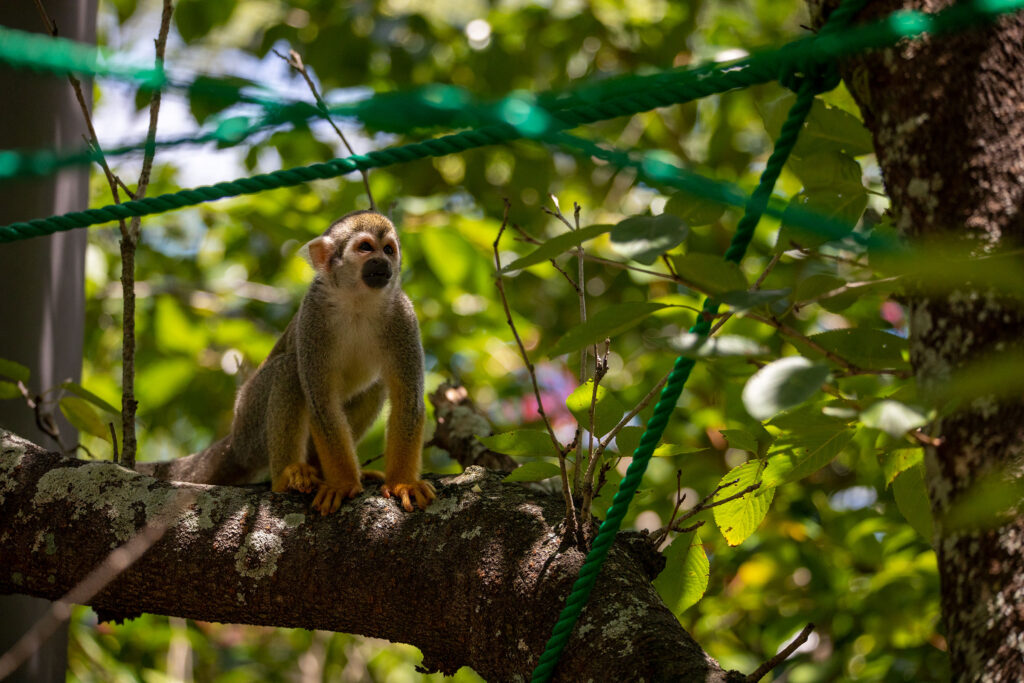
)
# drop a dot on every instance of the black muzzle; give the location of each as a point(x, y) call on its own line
point(376, 272)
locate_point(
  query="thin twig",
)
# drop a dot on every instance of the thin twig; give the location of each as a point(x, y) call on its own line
point(600, 370)
point(570, 510)
point(109, 569)
point(644, 402)
point(129, 243)
point(294, 60)
point(113, 441)
point(783, 654)
point(705, 503)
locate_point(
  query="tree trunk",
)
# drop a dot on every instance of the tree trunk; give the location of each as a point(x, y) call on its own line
point(477, 579)
point(947, 117)
point(42, 279)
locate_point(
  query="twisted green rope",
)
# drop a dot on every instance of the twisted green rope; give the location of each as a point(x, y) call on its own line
point(453, 107)
point(808, 86)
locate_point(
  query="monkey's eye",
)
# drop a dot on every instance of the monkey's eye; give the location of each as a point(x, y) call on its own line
point(389, 250)
point(365, 246)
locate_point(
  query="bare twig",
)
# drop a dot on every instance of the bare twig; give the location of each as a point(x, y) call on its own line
point(115, 563)
point(644, 402)
point(783, 654)
point(113, 441)
point(570, 510)
point(600, 370)
point(44, 419)
point(294, 60)
point(706, 503)
point(129, 243)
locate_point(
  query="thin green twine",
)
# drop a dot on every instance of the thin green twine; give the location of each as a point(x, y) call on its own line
point(808, 86)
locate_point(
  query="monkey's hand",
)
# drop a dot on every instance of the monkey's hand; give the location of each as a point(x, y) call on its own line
point(329, 497)
point(298, 476)
point(421, 490)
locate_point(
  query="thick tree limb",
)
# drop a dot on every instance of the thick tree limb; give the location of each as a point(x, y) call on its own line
point(477, 579)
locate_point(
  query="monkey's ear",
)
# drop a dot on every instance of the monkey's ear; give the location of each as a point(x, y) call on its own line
point(318, 252)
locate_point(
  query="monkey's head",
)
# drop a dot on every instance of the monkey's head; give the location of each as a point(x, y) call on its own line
point(360, 249)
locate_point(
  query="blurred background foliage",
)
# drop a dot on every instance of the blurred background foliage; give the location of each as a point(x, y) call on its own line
point(218, 284)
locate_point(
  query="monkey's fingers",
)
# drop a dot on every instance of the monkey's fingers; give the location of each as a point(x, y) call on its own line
point(329, 498)
point(301, 477)
point(421, 491)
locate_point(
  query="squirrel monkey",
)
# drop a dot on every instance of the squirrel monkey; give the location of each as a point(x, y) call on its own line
point(354, 341)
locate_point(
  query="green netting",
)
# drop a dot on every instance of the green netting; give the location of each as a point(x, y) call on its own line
point(807, 66)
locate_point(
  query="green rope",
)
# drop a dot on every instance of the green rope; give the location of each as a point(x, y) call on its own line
point(808, 85)
point(439, 105)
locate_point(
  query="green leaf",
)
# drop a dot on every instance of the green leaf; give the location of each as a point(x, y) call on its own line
point(810, 450)
point(864, 347)
point(556, 246)
point(829, 171)
point(782, 384)
point(9, 389)
point(159, 382)
point(827, 129)
point(449, 255)
point(912, 500)
point(893, 418)
point(745, 299)
point(738, 438)
point(83, 416)
point(604, 324)
point(83, 393)
point(521, 443)
point(899, 460)
point(739, 518)
point(693, 209)
point(726, 345)
point(843, 206)
point(816, 285)
point(684, 580)
point(607, 412)
point(534, 471)
point(628, 439)
point(645, 238)
point(15, 371)
point(709, 274)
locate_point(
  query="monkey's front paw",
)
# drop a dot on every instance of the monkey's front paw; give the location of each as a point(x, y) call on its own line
point(421, 490)
point(298, 476)
point(330, 497)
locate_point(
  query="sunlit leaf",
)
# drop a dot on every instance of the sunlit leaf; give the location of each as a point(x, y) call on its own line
point(607, 412)
point(896, 461)
point(645, 238)
point(521, 443)
point(725, 345)
point(684, 580)
point(739, 518)
point(738, 438)
point(83, 393)
point(893, 418)
point(782, 384)
point(604, 324)
point(556, 246)
point(84, 417)
point(912, 500)
point(808, 452)
point(534, 471)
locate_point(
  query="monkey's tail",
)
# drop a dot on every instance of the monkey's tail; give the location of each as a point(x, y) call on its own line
point(215, 464)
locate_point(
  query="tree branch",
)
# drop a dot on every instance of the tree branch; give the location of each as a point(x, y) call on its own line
point(477, 579)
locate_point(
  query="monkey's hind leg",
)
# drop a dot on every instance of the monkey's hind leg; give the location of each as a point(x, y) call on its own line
point(287, 433)
point(361, 411)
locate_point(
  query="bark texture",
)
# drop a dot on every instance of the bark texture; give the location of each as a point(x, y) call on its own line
point(477, 579)
point(947, 116)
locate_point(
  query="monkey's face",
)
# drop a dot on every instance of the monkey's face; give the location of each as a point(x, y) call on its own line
point(360, 250)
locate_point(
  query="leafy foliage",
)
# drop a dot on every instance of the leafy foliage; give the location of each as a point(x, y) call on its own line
point(826, 537)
